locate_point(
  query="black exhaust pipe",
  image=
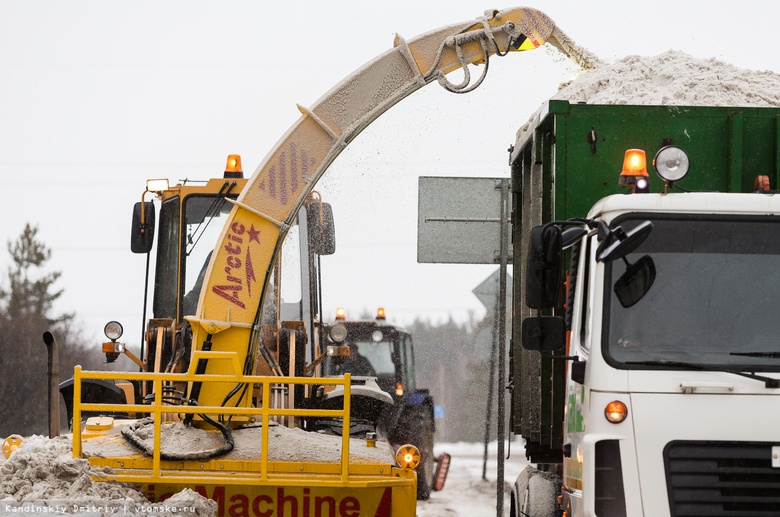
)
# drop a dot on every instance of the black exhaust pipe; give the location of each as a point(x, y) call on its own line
point(54, 380)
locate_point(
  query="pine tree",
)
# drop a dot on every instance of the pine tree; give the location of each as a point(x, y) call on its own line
point(28, 297)
point(26, 312)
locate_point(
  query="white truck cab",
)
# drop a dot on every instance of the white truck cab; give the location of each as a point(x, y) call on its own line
point(672, 405)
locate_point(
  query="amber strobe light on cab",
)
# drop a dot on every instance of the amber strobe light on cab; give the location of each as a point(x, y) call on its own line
point(340, 314)
point(380, 313)
point(233, 167)
point(407, 456)
point(616, 411)
point(634, 174)
point(399, 389)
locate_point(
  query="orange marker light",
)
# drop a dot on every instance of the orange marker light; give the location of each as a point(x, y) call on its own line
point(407, 456)
point(616, 411)
point(340, 314)
point(761, 184)
point(11, 444)
point(380, 313)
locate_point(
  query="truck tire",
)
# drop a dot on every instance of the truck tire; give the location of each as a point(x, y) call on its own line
point(423, 426)
point(535, 494)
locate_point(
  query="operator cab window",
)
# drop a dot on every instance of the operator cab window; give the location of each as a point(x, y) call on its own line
point(204, 218)
point(166, 275)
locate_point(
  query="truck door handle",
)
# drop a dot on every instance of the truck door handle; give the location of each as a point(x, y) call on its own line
point(705, 387)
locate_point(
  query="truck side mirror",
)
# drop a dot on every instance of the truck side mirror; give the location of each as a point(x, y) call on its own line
point(544, 333)
point(322, 232)
point(142, 235)
point(543, 267)
point(634, 284)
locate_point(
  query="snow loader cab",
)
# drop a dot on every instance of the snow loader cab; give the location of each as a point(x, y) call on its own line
point(378, 352)
point(191, 217)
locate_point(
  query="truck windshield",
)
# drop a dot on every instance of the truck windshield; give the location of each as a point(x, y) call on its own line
point(713, 299)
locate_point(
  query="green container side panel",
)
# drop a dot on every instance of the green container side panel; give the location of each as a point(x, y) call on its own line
point(727, 147)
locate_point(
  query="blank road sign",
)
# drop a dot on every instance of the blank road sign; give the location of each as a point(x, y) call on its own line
point(459, 220)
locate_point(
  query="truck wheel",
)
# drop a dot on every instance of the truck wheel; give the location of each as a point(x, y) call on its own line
point(426, 468)
point(536, 492)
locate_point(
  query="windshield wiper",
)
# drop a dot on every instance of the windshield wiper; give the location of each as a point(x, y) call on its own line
point(769, 382)
point(774, 355)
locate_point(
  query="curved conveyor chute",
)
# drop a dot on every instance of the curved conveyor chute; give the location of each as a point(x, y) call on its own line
point(238, 273)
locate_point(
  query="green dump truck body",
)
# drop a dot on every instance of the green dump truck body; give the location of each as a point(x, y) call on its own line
point(570, 158)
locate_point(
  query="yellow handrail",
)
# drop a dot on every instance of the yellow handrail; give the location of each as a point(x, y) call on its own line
point(157, 409)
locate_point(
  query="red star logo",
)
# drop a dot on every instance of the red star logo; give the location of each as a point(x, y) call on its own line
point(254, 235)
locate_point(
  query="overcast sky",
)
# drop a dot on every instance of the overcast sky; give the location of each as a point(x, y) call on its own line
point(96, 97)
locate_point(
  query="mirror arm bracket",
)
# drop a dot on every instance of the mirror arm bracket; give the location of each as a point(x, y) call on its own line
point(577, 368)
point(574, 358)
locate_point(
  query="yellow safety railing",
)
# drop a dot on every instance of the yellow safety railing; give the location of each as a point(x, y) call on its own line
point(156, 409)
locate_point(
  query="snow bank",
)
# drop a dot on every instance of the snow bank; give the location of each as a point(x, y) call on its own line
point(43, 477)
point(466, 494)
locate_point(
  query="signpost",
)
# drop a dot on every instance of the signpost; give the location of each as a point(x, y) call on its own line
point(466, 221)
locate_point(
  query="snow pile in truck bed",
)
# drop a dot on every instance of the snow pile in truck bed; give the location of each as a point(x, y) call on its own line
point(673, 78)
point(43, 477)
point(670, 79)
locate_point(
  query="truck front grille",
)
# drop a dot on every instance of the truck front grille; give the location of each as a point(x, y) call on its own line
point(716, 479)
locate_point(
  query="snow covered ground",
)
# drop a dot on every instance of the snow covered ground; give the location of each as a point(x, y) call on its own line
point(466, 493)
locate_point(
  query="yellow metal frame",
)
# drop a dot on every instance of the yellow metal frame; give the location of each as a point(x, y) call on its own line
point(139, 468)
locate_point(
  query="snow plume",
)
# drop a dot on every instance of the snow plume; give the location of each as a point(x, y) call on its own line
point(43, 477)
